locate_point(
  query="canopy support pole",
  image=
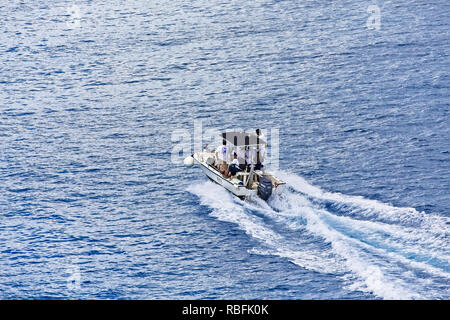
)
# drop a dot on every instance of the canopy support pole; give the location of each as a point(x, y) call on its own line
point(250, 176)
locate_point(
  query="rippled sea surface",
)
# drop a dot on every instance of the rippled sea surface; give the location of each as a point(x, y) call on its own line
point(94, 204)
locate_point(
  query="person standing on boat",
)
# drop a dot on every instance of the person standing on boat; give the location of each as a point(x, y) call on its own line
point(222, 154)
point(241, 156)
point(248, 156)
point(258, 154)
point(260, 135)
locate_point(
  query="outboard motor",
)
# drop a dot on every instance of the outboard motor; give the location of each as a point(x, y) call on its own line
point(265, 188)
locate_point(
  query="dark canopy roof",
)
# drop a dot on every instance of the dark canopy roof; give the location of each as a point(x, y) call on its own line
point(242, 138)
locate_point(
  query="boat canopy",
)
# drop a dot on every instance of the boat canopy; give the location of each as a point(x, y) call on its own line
point(242, 138)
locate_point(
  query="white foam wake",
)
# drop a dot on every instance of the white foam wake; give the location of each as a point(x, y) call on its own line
point(388, 273)
point(417, 233)
point(360, 207)
point(228, 208)
point(394, 253)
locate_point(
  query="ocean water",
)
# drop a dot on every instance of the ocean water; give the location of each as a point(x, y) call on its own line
point(94, 206)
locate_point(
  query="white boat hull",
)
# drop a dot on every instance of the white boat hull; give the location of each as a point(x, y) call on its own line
point(233, 185)
point(238, 190)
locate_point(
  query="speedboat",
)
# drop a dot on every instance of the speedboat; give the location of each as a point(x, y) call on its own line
point(244, 184)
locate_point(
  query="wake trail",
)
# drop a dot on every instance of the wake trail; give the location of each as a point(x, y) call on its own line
point(422, 236)
point(359, 207)
point(394, 253)
point(302, 251)
point(384, 245)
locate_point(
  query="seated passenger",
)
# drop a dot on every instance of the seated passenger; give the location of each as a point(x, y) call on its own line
point(233, 168)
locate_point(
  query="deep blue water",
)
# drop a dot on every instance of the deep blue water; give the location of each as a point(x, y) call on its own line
point(92, 206)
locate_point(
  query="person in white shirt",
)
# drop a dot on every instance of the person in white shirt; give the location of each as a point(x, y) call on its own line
point(241, 156)
point(234, 166)
point(248, 157)
point(258, 154)
point(261, 137)
point(222, 153)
